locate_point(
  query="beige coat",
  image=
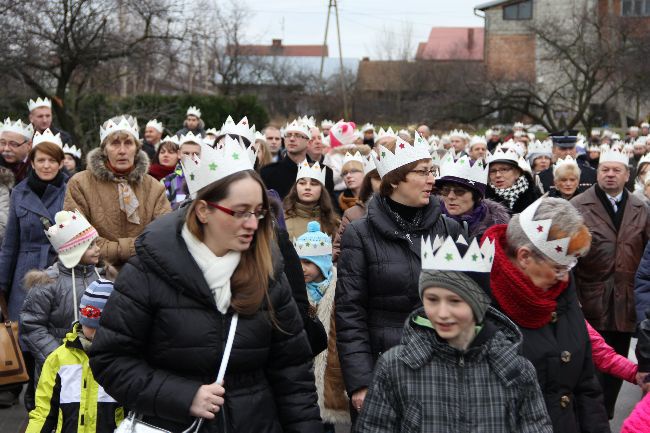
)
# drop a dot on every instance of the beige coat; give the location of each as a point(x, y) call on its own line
point(95, 194)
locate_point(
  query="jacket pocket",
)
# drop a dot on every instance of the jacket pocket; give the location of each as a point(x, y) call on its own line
point(592, 300)
point(412, 421)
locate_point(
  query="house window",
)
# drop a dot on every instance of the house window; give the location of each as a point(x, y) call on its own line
point(635, 8)
point(519, 11)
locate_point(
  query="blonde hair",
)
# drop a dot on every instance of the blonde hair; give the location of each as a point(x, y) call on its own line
point(565, 170)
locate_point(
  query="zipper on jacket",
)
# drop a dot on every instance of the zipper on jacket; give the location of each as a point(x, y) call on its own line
point(461, 389)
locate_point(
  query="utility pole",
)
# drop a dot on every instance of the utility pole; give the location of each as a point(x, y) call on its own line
point(333, 5)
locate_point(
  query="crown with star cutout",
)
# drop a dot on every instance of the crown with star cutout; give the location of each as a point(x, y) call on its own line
point(242, 128)
point(443, 255)
point(215, 164)
point(125, 123)
point(47, 137)
point(404, 154)
point(311, 172)
point(464, 169)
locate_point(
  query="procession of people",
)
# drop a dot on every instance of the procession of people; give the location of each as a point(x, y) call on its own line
point(313, 275)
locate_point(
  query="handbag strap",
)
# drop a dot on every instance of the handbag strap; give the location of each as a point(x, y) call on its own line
point(4, 310)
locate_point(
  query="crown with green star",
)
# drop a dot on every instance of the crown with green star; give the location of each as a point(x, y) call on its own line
point(464, 168)
point(405, 153)
point(215, 164)
point(443, 255)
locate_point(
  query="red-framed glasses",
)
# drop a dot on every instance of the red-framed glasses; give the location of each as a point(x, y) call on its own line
point(239, 214)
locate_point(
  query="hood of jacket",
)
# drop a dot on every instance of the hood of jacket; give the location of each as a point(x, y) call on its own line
point(499, 341)
point(7, 177)
point(380, 216)
point(363, 149)
point(47, 276)
point(96, 164)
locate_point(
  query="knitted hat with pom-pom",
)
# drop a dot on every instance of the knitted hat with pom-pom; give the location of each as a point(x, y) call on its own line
point(315, 246)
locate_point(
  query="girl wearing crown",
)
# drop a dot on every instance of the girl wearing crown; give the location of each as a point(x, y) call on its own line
point(532, 284)
point(39, 197)
point(166, 326)
point(309, 200)
point(166, 159)
point(72, 160)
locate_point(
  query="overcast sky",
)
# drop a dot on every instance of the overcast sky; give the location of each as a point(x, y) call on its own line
point(303, 21)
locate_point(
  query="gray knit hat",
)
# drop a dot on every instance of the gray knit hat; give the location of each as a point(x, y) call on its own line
point(461, 284)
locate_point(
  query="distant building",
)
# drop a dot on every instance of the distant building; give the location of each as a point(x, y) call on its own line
point(277, 49)
point(452, 43)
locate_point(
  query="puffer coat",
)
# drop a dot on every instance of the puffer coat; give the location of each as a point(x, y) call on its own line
point(162, 337)
point(424, 384)
point(377, 288)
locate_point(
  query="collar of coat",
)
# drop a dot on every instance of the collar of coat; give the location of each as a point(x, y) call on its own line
point(380, 217)
point(96, 164)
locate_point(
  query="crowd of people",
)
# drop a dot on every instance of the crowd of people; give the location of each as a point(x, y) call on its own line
point(312, 275)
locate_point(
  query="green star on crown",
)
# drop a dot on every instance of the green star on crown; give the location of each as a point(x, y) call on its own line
point(192, 176)
point(449, 257)
point(212, 166)
point(474, 257)
point(235, 156)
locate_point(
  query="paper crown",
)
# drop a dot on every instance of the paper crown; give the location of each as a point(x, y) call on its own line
point(443, 255)
point(463, 169)
point(47, 137)
point(24, 129)
point(369, 163)
point(45, 102)
point(594, 148)
point(173, 139)
point(477, 139)
point(388, 133)
point(309, 121)
point(214, 164)
point(595, 132)
point(404, 154)
point(368, 127)
point(613, 155)
point(645, 125)
point(72, 150)
point(540, 147)
point(126, 124)
point(514, 145)
point(459, 133)
point(518, 125)
point(242, 128)
point(645, 158)
point(538, 230)
point(325, 139)
point(261, 137)
point(326, 123)
point(158, 126)
point(312, 172)
point(358, 157)
point(193, 111)
point(633, 129)
point(212, 131)
point(510, 155)
point(299, 127)
point(563, 162)
point(313, 243)
point(434, 139)
point(641, 141)
point(70, 236)
point(190, 138)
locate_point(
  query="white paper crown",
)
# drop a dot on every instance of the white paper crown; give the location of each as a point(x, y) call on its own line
point(326, 123)
point(404, 154)
point(633, 129)
point(72, 150)
point(298, 126)
point(215, 164)
point(24, 129)
point(509, 155)
point(45, 102)
point(540, 147)
point(434, 139)
point(566, 161)
point(641, 141)
point(368, 127)
point(212, 131)
point(388, 133)
point(538, 230)
point(518, 125)
point(594, 148)
point(645, 158)
point(309, 121)
point(47, 137)
point(243, 129)
point(193, 111)
point(613, 155)
point(459, 133)
point(190, 138)
point(259, 136)
point(369, 163)
point(477, 139)
point(595, 132)
point(124, 125)
point(356, 157)
point(172, 138)
point(645, 125)
point(155, 124)
point(312, 172)
point(461, 168)
point(514, 145)
point(444, 255)
point(70, 236)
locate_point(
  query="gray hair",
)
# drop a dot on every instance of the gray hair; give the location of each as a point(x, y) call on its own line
point(561, 212)
point(564, 170)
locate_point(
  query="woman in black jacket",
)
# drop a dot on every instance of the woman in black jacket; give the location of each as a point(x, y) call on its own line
point(379, 264)
point(164, 328)
point(510, 181)
point(531, 282)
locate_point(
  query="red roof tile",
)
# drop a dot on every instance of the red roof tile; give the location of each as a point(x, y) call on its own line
point(277, 49)
point(452, 43)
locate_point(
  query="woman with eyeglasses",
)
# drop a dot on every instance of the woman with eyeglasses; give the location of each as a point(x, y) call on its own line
point(211, 265)
point(510, 181)
point(461, 186)
point(531, 282)
point(380, 261)
point(352, 174)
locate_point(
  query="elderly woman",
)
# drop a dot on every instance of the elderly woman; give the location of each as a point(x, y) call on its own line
point(511, 182)
point(461, 186)
point(380, 261)
point(165, 326)
point(566, 179)
point(531, 282)
point(115, 193)
point(540, 155)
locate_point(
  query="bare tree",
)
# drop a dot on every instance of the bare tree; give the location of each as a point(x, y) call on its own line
point(394, 43)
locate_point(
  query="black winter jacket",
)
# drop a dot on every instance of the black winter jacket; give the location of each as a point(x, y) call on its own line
point(561, 355)
point(377, 287)
point(162, 337)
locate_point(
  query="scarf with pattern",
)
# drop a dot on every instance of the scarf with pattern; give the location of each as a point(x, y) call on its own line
point(512, 194)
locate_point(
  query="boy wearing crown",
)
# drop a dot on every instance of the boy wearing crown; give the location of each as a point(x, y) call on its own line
point(458, 367)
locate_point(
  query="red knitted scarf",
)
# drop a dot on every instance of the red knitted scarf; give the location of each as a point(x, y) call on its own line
point(524, 303)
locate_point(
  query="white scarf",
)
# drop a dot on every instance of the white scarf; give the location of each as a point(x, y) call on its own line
point(217, 271)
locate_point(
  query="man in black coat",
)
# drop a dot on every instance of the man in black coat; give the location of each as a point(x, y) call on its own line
point(564, 144)
point(280, 176)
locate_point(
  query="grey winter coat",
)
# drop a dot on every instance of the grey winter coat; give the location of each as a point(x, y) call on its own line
point(6, 183)
point(48, 312)
point(424, 384)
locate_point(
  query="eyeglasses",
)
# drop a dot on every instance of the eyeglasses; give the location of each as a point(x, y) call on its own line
point(294, 135)
point(351, 171)
point(458, 191)
point(561, 271)
point(500, 170)
point(11, 144)
point(241, 215)
point(424, 173)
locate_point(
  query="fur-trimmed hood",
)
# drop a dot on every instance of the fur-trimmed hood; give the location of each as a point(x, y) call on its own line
point(7, 177)
point(363, 149)
point(96, 164)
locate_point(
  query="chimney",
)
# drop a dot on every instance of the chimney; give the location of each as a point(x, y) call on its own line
point(365, 59)
point(276, 43)
point(470, 39)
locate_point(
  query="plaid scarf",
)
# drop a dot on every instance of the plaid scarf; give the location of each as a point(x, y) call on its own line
point(512, 194)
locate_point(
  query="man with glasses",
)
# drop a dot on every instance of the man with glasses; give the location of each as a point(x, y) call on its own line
point(618, 222)
point(280, 176)
point(15, 144)
point(564, 144)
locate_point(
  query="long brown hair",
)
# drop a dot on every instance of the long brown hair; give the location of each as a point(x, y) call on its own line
point(329, 221)
point(249, 284)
